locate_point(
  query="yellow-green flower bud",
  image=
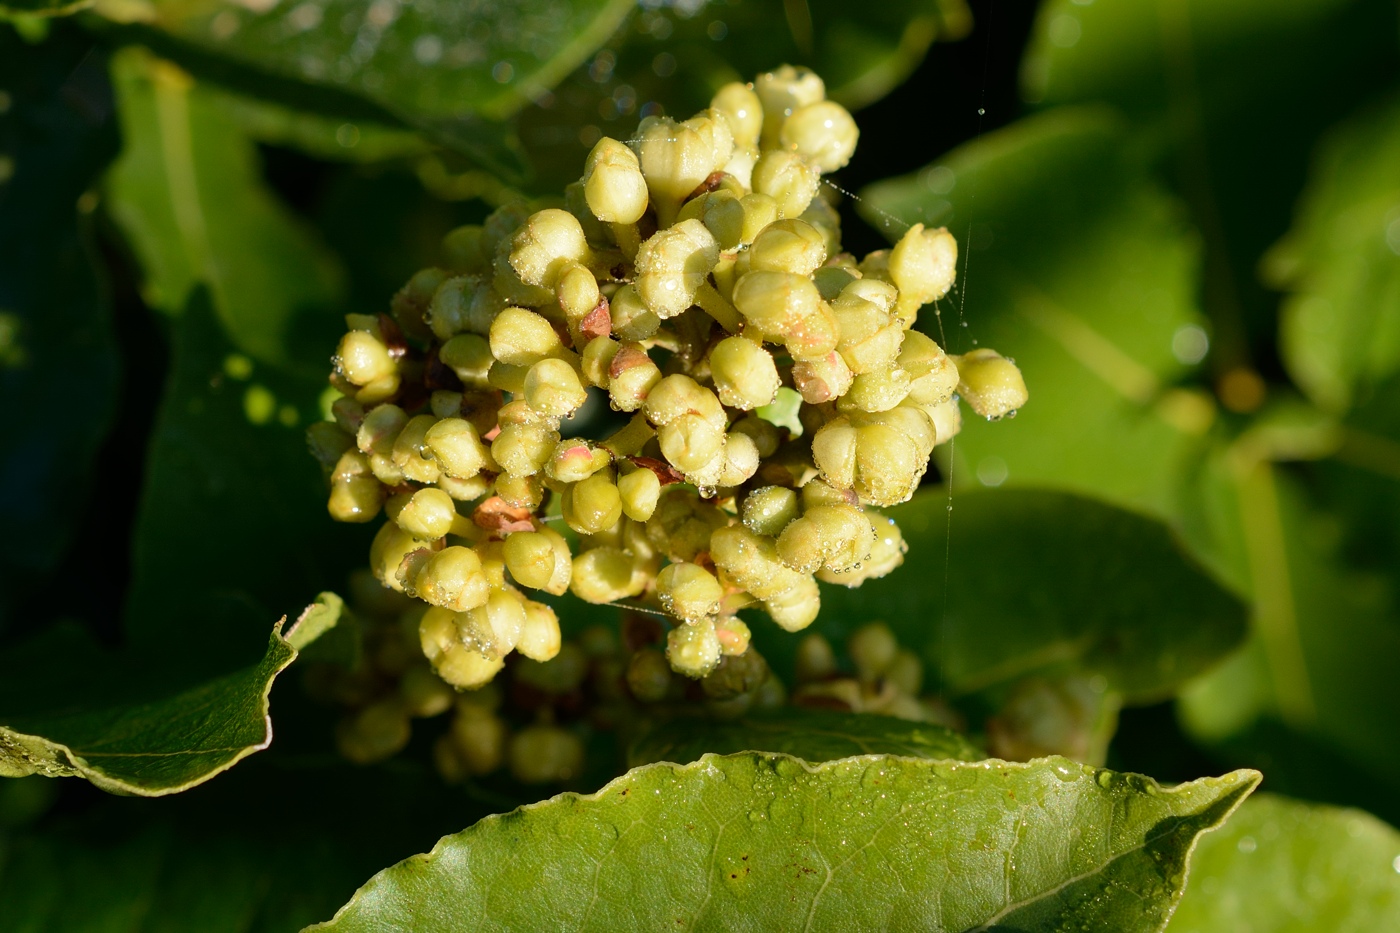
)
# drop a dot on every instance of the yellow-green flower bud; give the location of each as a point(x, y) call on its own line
point(356, 494)
point(348, 414)
point(744, 112)
point(632, 376)
point(327, 441)
point(688, 591)
point(597, 359)
point(524, 449)
point(780, 92)
point(673, 265)
point(465, 490)
point(605, 575)
point(520, 492)
point(593, 505)
point(751, 561)
point(678, 395)
point(639, 491)
point(797, 607)
point(787, 179)
point(870, 337)
point(475, 746)
point(906, 673)
point(377, 732)
point(408, 452)
point(423, 693)
point(873, 649)
point(463, 304)
point(734, 636)
point(379, 429)
point(410, 304)
point(363, 359)
point(741, 460)
point(689, 441)
point(552, 388)
point(935, 377)
point(768, 510)
point(744, 373)
point(832, 280)
point(886, 554)
point(826, 220)
point(889, 464)
point(456, 447)
point(876, 391)
point(452, 579)
point(469, 356)
point(762, 433)
point(574, 461)
point(428, 514)
point(693, 649)
point(631, 318)
point(540, 639)
point(444, 403)
point(790, 245)
point(922, 265)
point(523, 338)
point(613, 183)
point(545, 755)
point(580, 300)
point(676, 158)
point(991, 384)
point(777, 303)
point(823, 133)
point(463, 250)
point(539, 560)
point(822, 379)
point(387, 551)
point(648, 675)
point(546, 245)
point(834, 451)
point(815, 659)
point(838, 537)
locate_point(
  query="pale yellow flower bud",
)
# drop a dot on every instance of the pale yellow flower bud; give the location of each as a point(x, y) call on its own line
point(693, 649)
point(673, 265)
point(463, 249)
point(991, 384)
point(539, 560)
point(523, 338)
point(768, 510)
point(457, 448)
point(363, 359)
point(428, 514)
point(788, 246)
point(922, 265)
point(677, 157)
point(823, 133)
point(613, 183)
point(780, 92)
point(452, 579)
point(463, 304)
point(356, 494)
point(605, 575)
point(742, 108)
point(524, 449)
point(690, 441)
point(631, 318)
point(822, 379)
point(409, 453)
point(540, 638)
point(787, 179)
point(873, 648)
point(639, 491)
point(549, 243)
point(632, 376)
point(797, 607)
point(876, 391)
point(593, 505)
point(688, 592)
point(552, 387)
point(469, 356)
point(744, 373)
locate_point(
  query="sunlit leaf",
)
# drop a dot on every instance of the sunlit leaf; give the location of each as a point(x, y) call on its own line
point(769, 842)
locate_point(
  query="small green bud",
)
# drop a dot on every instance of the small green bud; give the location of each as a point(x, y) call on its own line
point(744, 373)
point(463, 304)
point(524, 449)
point(835, 536)
point(520, 492)
point(387, 551)
point(363, 359)
point(632, 376)
point(906, 673)
point(592, 505)
point(776, 303)
point(540, 638)
point(690, 442)
point(574, 461)
point(991, 385)
point(631, 318)
point(327, 441)
point(423, 693)
point(751, 561)
point(677, 157)
point(410, 305)
point(763, 433)
point(408, 452)
point(787, 179)
point(639, 491)
point(545, 755)
point(832, 280)
point(673, 265)
point(768, 510)
point(678, 395)
point(791, 245)
point(523, 338)
point(886, 554)
point(605, 575)
point(733, 635)
point(693, 649)
point(476, 744)
point(870, 337)
point(823, 133)
point(469, 356)
point(597, 360)
point(688, 592)
point(465, 490)
point(452, 579)
point(457, 448)
point(356, 494)
point(552, 387)
point(922, 266)
point(935, 376)
point(796, 607)
point(742, 109)
point(463, 250)
point(815, 659)
point(822, 379)
point(781, 91)
point(539, 560)
point(873, 649)
point(648, 675)
point(736, 674)
point(579, 298)
point(613, 183)
point(546, 245)
point(428, 514)
point(876, 391)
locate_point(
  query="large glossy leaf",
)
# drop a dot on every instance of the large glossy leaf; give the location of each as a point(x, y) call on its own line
point(56, 342)
point(1216, 85)
point(1020, 582)
point(1281, 866)
point(676, 56)
point(809, 734)
point(430, 63)
point(1341, 264)
point(768, 842)
point(1075, 264)
point(70, 710)
point(232, 517)
point(188, 195)
point(1315, 677)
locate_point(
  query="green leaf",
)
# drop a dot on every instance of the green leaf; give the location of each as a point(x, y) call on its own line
point(433, 63)
point(1317, 669)
point(188, 194)
point(56, 340)
point(17, 8)
point(1280, 866)
point(233, 513)
point(151, 744)
point(1036, 582)
point(1076, 265)
point(678, 59)
point(809, 734)
point(757, 841)
point(1214, 86)
point(323, 136)
point(1340, 331)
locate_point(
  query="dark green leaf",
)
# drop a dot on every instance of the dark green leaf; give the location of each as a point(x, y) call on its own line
point(1035, 582)
point(149, 746)
point(769, 842)
point(809, 734)
point(56, 341)
point(1340, 330)
point(1076, 265)
point(1280, 866)
point(323, 136)
point(188, 194)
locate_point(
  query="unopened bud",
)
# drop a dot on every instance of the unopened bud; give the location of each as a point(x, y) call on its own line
point(688, 592)
point(452, 579)
point(605, 575)
point(546, 245)
point(823, 133)
point(540, 639)
point(539, 560)
point(545, 755)
point(781, 91)
point(428, 514)
point(673, 265)
point(742, 108)
point(639, 491)
point(787, 179)
point(469, 356)
point(593, 505)
point(613, 183)
point(648, 675)
point(923, 265)
point(991, 384)
point(788, 246)
point(693, 649)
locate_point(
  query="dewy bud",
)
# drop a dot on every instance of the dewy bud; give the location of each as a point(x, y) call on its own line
point(790, 245)
point(523, 338)
point(539, 560)
point(822, 133)
point(362, 358)
point(693, 649)
point(605, 575)
point(876, 391)
point(574, 461)
point(462, 304)
point(639, 491)
point(676, 158)
point(777, 303)
point(797, 607)
point(788, 180)
point(613, 183)
point(428, 514)
point(631, 318)
point(768, 510)
point(453, 579)
point(592, 505)
point(456, 447)
point(822, 379)
point(673, 265)
point(733, 635)
point(922, 266)
point(547, 245)
point(408, 452)
point(688, 592)
point(469, 356)
point(553, 388)
point(356, 494)
point(991, 385)
point(741, 107)
point(744, 373)
point(631, 377)
point(463, 248)
point(387, 552)
point(781, 91)
point(689, 441)
point(524, 449)
point(540, 638)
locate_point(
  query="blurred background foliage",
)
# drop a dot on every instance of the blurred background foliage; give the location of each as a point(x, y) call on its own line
point(1181, 219)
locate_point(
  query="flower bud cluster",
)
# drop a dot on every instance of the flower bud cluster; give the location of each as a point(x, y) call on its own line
point(770, 387)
